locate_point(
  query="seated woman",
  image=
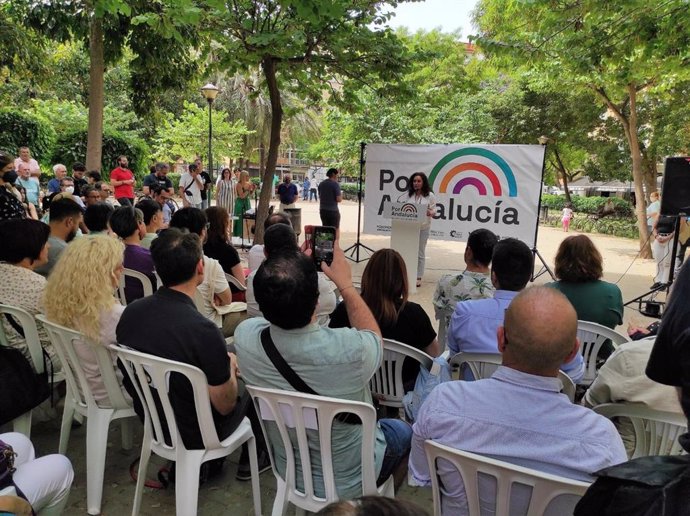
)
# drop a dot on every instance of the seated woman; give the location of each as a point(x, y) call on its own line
point(385, 291)
point(579, 267)
point(217, 246)
point(46, 481)
point(82, 298)
point(24, 247)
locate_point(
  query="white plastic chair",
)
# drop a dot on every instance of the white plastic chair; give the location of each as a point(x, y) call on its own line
point(592, 336)
point(545, 487)
point(141, 278)
point(298, 412)
point(483, 365)
point(387, 383)
point(150, 376)
point(22, 424)
point(443, 323)
point(656, 431)
point(232, 280)
point(80, 400)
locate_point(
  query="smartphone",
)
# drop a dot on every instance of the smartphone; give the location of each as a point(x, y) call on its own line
point(323, 245)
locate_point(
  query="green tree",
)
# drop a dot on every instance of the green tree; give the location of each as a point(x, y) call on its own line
point(187, 136)
point(306, 46)
point(624, 51)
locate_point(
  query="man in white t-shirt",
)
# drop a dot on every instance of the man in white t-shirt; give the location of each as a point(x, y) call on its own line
point(190, 187)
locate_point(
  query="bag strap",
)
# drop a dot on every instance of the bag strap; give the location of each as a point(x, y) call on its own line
point(282, 366)
point(17, 327)
point(293, 378)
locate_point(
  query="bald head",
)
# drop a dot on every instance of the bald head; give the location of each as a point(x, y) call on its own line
point(539, 332)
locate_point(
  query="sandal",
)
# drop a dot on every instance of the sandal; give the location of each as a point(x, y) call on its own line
point(419, 282)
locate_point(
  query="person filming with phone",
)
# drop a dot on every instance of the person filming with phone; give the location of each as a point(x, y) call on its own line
point(329, 361)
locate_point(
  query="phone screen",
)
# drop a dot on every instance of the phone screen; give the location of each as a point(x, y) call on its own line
point(324, 242)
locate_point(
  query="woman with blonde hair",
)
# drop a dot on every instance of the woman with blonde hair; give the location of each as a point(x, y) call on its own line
point(243, 190)
point(80, 295)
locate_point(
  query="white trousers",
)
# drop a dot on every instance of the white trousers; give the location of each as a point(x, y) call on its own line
point(45, 481)
point(662, 256)
point(421, 256)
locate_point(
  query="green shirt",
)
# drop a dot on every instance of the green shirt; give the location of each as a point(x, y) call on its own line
point(148, 238)
point(595, 301)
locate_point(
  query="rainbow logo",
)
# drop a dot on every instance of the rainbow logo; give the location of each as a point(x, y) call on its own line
point(409, 208)
point(473, 166)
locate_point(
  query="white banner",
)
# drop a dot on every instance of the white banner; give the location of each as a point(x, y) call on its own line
point(495, 187)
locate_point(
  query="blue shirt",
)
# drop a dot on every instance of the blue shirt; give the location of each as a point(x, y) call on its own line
point(33, 190)
point(516, 417)
point(474, 323)
point(54, 185)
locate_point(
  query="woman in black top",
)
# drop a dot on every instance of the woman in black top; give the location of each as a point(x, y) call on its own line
point(217, 245)
point(385, 291)
point(10, 206)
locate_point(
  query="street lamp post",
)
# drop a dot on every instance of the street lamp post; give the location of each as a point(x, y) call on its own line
point(210, 91)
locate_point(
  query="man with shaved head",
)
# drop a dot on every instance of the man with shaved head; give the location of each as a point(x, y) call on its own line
point(519, 414)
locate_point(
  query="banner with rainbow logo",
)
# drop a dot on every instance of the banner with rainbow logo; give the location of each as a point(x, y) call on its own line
point(495, 187)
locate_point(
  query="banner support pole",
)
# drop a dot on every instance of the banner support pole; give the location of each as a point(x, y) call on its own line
point(354, 248)
point(544, 266)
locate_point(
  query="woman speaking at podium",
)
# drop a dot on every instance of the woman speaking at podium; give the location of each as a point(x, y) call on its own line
point(419, 192)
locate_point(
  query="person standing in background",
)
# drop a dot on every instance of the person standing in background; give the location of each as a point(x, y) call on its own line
point(243, 190)
point(305, 188)
point(122, 181)
point(208, 185)
point(25, 157)
point(60, 172)
point(330, 195)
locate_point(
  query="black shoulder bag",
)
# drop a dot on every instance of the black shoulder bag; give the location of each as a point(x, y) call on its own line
point(293, 378)
point(21, 388)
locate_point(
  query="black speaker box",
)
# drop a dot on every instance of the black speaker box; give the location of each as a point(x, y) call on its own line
point(675, 191)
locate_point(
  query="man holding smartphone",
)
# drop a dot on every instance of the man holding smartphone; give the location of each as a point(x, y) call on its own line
point(332, 362)
point(190, 187)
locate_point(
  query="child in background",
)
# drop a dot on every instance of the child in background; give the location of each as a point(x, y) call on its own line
point(566, 216)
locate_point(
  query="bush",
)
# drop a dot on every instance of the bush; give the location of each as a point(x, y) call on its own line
point(350, 191)
point(589, 205)
point(22, 129)
point(71, 147)
point(175, 178)
point(620, 227)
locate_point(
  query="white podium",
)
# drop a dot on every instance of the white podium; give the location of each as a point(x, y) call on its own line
point(406, 222)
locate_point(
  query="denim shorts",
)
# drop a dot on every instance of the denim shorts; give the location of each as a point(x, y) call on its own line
point(398, 436)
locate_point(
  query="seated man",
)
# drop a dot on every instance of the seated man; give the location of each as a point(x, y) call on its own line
point(256, 253)
point(65, 217)
point(153, 219)
point(187, 336)
point(127, 222)
point(278, 239)
point(333, 362)
point(474, 323)
point(474, 282)
point(518, 415)
point(622, 379)
point(97, 218)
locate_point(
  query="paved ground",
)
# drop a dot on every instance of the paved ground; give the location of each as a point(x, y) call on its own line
point(225, 495)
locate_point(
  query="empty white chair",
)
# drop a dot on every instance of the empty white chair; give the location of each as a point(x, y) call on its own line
point(592, 336)
point(80, 400)
point(151, 378)
point(656, 431)
point(22, 424)
point(483, 365)
point(387, 383)
point(141, 278)
point(545, 487)
point(295, 413)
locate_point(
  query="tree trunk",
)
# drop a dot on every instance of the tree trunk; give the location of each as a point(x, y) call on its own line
point(650, 173)
point(629, 124)
point(94, 144)
point(269, 67)
point(563, 172)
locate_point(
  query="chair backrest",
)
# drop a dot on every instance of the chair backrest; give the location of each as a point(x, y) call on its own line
point(656, 431)
point(545, 487)
point(232, 280)
point(443, 329)
point(141, 278)
point(63, 340)
point(28, 324)
point(592, 336)
point(151, 378)
point(295, 412)
point(483, 365)
point(387, 382)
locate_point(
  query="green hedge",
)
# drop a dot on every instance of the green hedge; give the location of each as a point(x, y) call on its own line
point(620, 227)
point(22, 129)
point(71, 147)
point(589, 205)
point(175, 178)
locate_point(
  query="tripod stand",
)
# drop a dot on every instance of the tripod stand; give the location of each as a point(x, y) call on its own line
point(354, 248)
point(535, 252)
